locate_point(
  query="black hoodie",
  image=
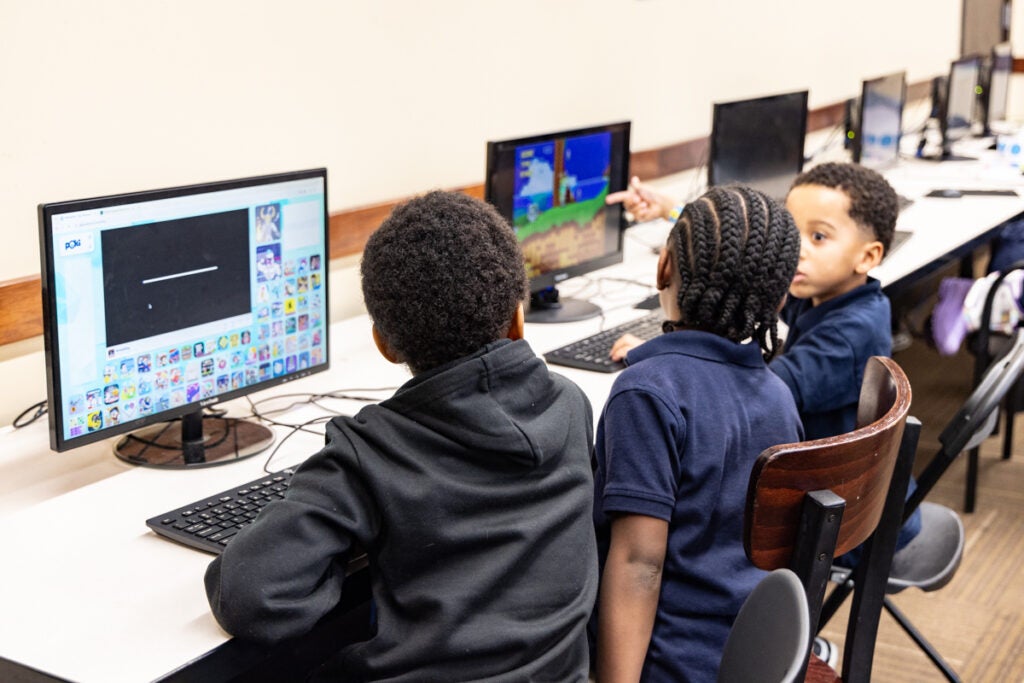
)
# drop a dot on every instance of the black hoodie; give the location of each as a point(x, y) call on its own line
point(471, 491)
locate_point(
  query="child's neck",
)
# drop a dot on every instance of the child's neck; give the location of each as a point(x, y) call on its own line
point(852, 283)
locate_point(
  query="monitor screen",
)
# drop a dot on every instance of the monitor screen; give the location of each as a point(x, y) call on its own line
point(877, 142)
point(961, 98)
point(159, 303)
point(1000, 70)
point(552, 189)
point(759, 142)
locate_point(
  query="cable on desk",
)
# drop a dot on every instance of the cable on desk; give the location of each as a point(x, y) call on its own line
point(155, 442)
point(301, 427)
point(830, 142)
point(655, 248)
point(307, 399)
point(24, 419)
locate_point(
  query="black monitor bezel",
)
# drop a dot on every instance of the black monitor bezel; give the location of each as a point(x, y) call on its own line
point(714, 145)
point(993, 58)
point(51, 351)
point(858, 137)
point(553, 277)
point(944, 118)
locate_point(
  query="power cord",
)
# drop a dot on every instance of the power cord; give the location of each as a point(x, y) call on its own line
point(24, 419)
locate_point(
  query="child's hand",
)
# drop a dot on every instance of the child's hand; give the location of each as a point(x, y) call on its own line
point(643, 201)
point(623, 345)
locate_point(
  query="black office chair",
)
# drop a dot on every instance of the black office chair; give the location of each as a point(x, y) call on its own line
point(768, 640)
point(987, 346)
point(930, 561)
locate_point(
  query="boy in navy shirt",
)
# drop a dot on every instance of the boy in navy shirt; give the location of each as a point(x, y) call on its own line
point(680, 432)
point(837, 315)
point(470, 489)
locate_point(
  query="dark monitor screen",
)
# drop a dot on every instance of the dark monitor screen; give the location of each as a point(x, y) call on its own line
point(552, 189)
point(759, 142)
point(877, 142)
point(961, 98)
point(1000, 70)
point(159, 303)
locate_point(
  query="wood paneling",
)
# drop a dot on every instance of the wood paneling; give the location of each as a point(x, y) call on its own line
point(21, 301)
point(21, 309)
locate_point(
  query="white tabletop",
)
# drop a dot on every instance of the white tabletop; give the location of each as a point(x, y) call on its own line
point(88, 593)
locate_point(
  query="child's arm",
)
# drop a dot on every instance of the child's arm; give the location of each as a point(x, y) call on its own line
point(629, 594)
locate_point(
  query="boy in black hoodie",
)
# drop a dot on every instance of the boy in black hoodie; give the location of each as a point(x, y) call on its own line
point(470, 488)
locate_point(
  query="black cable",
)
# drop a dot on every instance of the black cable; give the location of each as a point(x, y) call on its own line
point(295, 428)
point(23, 421)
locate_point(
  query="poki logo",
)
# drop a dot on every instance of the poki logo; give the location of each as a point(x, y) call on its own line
point(76, 244)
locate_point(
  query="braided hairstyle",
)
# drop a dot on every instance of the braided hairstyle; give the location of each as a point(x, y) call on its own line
point(736, 251)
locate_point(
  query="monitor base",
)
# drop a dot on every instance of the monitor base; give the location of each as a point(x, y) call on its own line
point(948, 157)
point(564, 311)
point(201, 442)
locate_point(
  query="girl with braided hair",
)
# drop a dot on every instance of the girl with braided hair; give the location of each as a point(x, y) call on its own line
point(680, 432)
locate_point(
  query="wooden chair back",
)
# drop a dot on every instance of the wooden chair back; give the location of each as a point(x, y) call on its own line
point(811, 501)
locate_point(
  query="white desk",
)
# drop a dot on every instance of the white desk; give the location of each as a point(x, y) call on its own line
point(87, 593)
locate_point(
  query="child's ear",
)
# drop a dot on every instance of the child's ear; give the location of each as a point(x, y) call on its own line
point(517, 326)
point(663, 276)
point(870, 257)
point(384, 348)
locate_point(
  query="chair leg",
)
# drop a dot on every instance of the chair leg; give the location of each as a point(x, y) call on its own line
point(972, 480)
point(1011, 411)
point(918, 638)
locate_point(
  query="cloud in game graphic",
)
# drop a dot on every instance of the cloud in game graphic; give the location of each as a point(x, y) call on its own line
point(542, 178)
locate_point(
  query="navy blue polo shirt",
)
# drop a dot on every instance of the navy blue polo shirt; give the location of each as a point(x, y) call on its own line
point(677, 440)
point(826, 350)
point(823, 361)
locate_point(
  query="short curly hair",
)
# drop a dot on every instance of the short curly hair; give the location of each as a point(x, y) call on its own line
point(736, 251)
point(873, 202)
point(442, 277)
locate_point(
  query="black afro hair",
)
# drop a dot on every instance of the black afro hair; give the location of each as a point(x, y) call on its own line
point(441, 278)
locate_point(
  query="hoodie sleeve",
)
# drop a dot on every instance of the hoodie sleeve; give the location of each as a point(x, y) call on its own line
point(285, 571)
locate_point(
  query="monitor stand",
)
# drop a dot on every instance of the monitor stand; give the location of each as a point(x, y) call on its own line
point(547, 307)
point(201, 441)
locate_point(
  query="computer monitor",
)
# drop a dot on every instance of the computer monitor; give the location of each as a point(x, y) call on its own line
point(161, 303)
point(759, 142)
point(958, 111)
point(552, 188)
point(996, 85)
point(876, 135)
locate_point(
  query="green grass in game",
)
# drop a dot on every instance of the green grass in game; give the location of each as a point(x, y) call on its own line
point(581, 213)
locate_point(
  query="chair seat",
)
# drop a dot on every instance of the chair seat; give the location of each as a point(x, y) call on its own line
point(931, 559)
point(820, 672)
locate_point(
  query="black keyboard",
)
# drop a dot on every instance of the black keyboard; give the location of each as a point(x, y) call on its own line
point(651, 303)
point(210, 523)
point(591, 353)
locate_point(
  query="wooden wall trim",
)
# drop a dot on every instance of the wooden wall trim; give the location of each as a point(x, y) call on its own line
point(21, 314)
point(21, 309)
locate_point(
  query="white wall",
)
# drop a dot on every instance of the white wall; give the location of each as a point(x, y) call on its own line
point(394, 96)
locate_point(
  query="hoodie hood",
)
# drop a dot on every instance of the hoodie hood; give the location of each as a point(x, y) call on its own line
point(501, 402)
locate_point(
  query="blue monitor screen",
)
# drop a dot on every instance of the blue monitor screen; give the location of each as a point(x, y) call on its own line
point(877, 143)
point(558, 209)
point(961, 97)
